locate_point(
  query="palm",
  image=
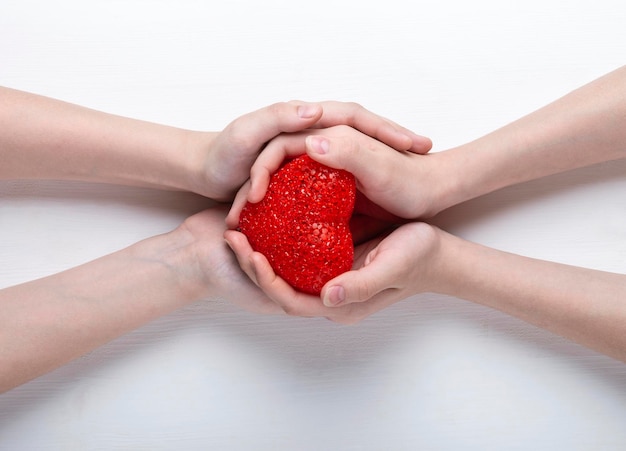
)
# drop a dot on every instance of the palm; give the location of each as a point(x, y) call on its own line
point(217, 266)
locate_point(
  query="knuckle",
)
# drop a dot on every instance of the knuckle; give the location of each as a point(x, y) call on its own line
point(356, 111)
point(349, 316)
point(344, 321)
point(348, 112)
point(276, 109)
point(292, 310)
point(349, 320)
point(338, 131)
point(354, 106)
point(352, 146)
point(364, 291)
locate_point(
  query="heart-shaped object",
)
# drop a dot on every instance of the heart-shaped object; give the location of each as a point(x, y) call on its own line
point(302, 223)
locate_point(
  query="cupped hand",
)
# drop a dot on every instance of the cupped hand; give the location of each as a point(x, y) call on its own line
point(395, 267)
point(229, 156)
point(385, 271)
point(211, 269)
point(406, 184)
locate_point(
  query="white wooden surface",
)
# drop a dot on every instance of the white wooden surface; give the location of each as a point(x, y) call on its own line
point(430, 373)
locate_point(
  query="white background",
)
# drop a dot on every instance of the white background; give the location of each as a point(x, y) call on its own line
point(430, 373)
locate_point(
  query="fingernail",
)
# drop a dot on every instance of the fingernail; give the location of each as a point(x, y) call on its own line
point(307, 111)
point(319, 144)
point(334, 296)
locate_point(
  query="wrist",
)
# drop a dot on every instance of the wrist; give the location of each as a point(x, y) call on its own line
point(199, 258)
point(196, 176)
point(466, 270)
point(470, 171)
point(445, 269)
point(449, 182)
point(175, 267)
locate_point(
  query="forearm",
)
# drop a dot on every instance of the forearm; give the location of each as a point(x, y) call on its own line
point(49, 139)
point(584, 305)
point(585, 127)
point(48, 322)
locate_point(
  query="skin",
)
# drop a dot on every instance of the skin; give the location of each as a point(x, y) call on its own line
point(585, 127)
point(47, 138)
point(48, 322)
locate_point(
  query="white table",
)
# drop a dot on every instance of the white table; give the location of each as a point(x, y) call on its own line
point(430, 373)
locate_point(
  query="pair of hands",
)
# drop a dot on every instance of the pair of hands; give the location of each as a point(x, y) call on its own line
point(390, 167)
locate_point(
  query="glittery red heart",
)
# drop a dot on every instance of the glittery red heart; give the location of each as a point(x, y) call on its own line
point(302, 223)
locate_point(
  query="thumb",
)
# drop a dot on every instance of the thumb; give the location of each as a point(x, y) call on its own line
point(341, 153)
point(374, 166)
point(378, 274)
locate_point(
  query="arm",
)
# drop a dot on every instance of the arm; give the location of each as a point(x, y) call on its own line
point(583, 305)
point(586, 306)
point(585, 127)
point(582, 128)
point(48, 322)
point(47, 138)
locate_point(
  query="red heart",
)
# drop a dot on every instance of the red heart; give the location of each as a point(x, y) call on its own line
point(302, 223)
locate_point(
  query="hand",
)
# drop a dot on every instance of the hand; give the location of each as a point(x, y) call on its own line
point(386, 270)
point(229, 156)
point(213, 269)
point(400, 265)
point(406, 184)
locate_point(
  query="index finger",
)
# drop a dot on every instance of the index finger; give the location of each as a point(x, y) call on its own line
point(275, 153)
point(293, 302)
point(378, 127)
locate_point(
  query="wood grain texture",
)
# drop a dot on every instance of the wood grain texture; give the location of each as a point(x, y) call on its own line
point(433, 372)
